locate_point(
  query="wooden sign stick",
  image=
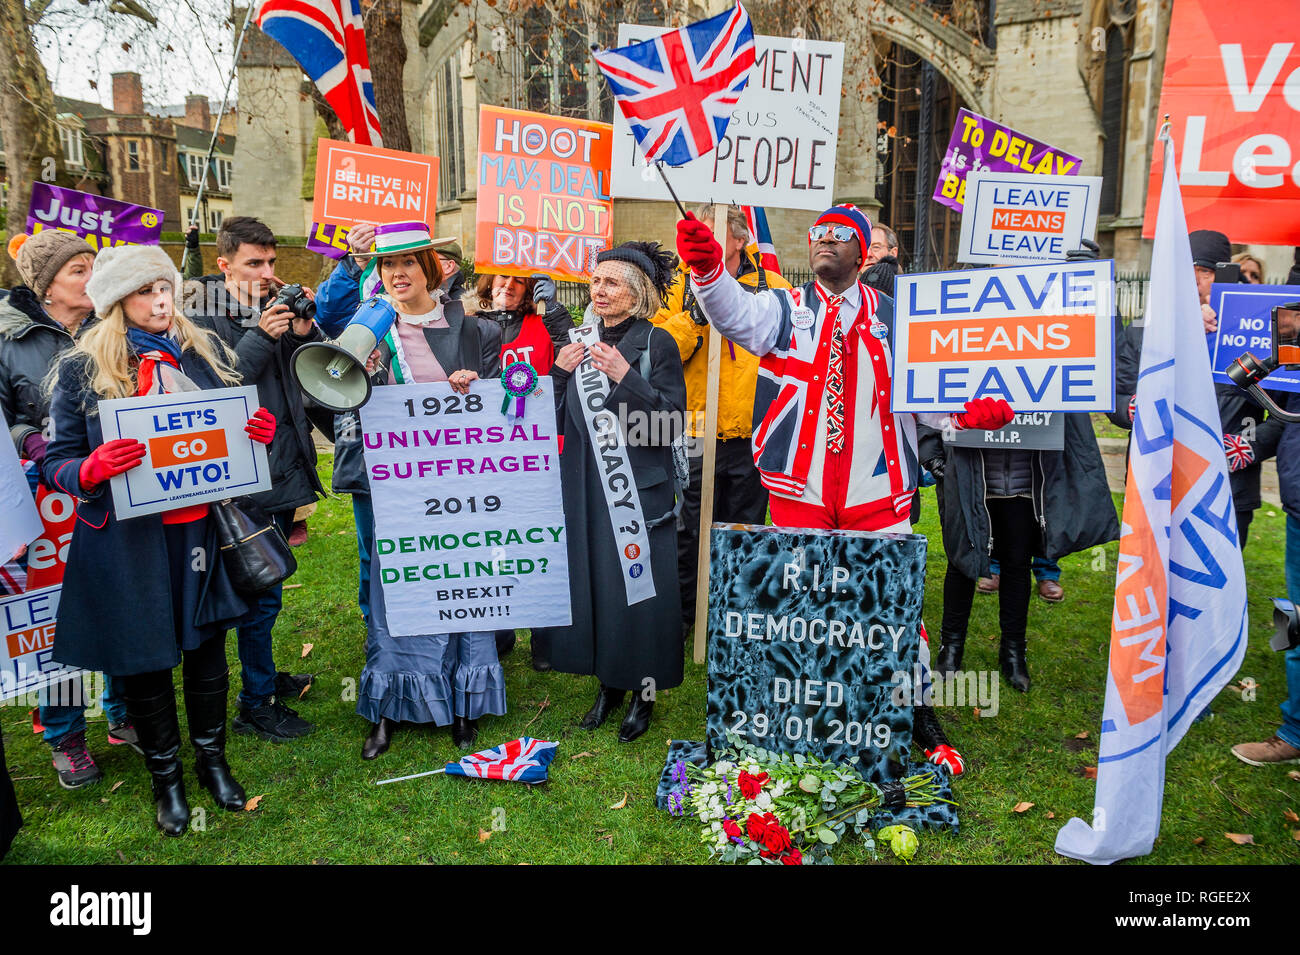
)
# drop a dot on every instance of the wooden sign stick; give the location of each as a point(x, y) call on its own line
point(710, 458)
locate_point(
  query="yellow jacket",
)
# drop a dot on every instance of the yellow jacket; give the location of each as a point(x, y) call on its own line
point(737, 370)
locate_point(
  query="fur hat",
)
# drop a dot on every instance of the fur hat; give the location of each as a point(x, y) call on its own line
point(120, 270)
point(39, 257)
point(851, 216)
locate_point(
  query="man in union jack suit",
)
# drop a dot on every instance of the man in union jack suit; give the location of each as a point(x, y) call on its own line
point(826, 445)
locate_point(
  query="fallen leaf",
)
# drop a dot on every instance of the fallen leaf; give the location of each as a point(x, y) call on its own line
point(303, 691)
point(1295, 834)
point(1294, 774)
point(484, 835)
point(621, 803)
point(1022, 807)
point(1083, 735)
point(583, 755)
point(121, 781)
point(291, 586)
point(306, 649)
point(253, 803)
point(1199, 840)
point(1051, 815)
point(1290, 816)
point(1241, 838)
point(103, 799)
point(975, 710)
point(1090, 772)
point(608, 840)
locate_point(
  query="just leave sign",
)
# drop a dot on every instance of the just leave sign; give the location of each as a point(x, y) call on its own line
point(1232, 93)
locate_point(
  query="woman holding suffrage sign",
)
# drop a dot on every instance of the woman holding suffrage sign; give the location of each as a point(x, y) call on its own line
point(621, 371)
point(437, 678)
point(179, 601)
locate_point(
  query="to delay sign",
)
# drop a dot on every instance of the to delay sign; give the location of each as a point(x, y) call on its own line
point(1016, 219)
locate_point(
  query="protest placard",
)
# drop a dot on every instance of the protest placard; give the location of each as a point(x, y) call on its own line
point(779, 149)
point(329, 240)
point(1039, 336)
point(1020, 219)
point(1231, 91)
point(101, 221)
point(469, 522)
point(19, 522)
point(1245, 325)
point(195, 449)
point(26, 661)
point(977, 143)
point(371, 184)
point(543, 194)
point(813, 642)
point(1032, 431)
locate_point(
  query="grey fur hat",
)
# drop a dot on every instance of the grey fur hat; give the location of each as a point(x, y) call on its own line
point(121, 269)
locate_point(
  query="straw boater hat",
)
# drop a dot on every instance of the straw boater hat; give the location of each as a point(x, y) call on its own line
point(398, 237)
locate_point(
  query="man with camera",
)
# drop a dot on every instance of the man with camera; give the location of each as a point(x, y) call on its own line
point(264, 321)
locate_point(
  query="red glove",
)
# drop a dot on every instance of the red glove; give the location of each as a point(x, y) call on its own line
point(984, 414)
point(109, 460)
point(697, 246)
point(261, 427)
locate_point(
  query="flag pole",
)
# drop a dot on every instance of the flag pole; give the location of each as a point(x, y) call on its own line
point(216, 127)
point(400, 779)
point(672, 192)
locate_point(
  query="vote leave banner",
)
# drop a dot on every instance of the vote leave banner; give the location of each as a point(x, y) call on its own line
point(1231, 90)
point(101, 221)
point(469, 522)
point(1040, 337)
point(978, 144)
point(1019, 219)
point(779, 150)
point(27, 629)
point(543, 194)
point(330, 241)
point(195, 449)
point(371, 184)
point(1246, 325)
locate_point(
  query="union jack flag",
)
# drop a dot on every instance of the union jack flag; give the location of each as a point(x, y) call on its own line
point(756, 219)
point(328, 40)
point(678, 90)
point(521, 760)
point(1240, 453)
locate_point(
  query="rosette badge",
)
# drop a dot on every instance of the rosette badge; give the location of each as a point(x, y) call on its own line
point(519, 379)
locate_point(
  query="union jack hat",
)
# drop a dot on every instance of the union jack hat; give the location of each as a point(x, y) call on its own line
point(851, 216)
point(406, 237)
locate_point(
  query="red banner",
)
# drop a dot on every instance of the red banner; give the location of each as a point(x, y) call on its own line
point(1232, 93)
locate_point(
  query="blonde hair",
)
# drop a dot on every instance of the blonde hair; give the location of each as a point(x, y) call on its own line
point(108, 357)
point(1241, 257)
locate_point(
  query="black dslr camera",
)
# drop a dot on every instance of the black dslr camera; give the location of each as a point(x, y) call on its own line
point(297, 300)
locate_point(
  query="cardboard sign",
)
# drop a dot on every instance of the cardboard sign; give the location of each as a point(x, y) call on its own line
point(979, 144)
point(1039, 336)
point(469, 522)
point(101, 221)
point(27, 628)
point(1245, 325)
point(330, 241)
point(1033, 431)
point(371, 184)
point(813, 641)
point(19, 522)
point(543, 194)
point(1231, 92)
point(195, 449)
point(779, 150)
point(1017, 219)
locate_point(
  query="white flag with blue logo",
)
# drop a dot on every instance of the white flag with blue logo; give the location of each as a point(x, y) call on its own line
point(1179, 625)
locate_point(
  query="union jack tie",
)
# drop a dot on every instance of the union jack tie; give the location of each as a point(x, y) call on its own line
point(835, 379)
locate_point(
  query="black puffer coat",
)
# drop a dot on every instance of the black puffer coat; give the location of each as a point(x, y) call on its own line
point(1072, 501)
point(30, 341)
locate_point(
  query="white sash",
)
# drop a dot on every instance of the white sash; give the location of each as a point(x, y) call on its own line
point(621, 497)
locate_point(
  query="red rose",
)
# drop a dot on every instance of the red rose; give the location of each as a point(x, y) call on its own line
point(793, 857)
point(756, 827)
point(751, 786)
point(731, 829)
point(777, 838)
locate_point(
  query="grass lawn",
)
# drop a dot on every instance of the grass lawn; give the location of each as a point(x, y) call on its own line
point(319, 802)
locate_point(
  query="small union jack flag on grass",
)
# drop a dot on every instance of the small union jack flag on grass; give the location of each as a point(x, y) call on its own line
point(521, 760)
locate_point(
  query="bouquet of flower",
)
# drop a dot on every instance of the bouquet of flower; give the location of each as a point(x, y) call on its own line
point(764, 808)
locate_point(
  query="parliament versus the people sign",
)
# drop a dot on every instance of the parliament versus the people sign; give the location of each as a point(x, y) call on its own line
point(1018, 219)
point(779, 149)
point(469, 523)
point(1039, 336)
point(543, 194)
point(195, 449)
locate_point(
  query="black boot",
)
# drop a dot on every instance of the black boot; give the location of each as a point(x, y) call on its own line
point(540, 644)
point(928, 733)
point(464, 731)
point(608, 699)
point(1014, 667)
point(637, 720)
point(950, 653)
point(205, 708)
point(154, 719)
point(381, 735)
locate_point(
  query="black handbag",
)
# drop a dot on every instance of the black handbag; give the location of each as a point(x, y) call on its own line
point(255, 553)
